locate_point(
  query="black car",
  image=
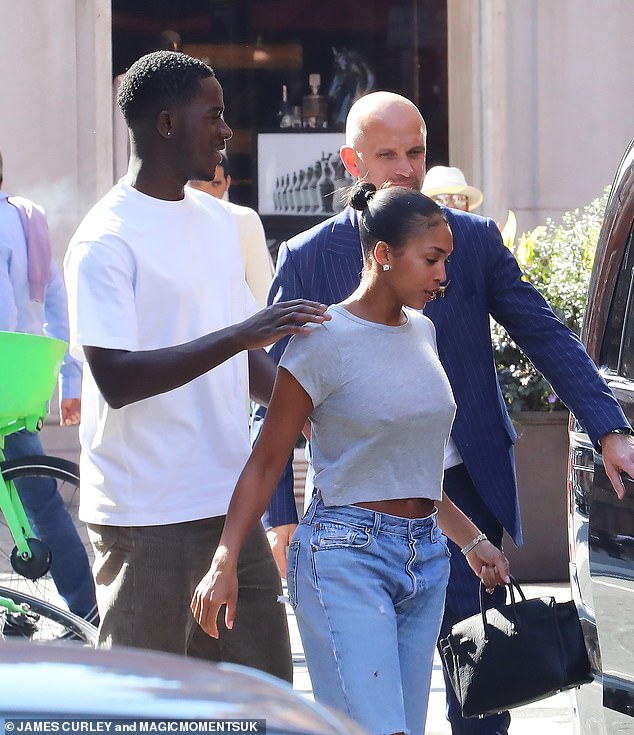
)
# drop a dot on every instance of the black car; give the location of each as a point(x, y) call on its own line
point(601, 527)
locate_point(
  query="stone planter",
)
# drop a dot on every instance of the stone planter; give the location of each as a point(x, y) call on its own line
point(541, 455)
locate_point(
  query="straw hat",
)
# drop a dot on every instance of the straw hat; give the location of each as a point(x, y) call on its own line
point(450, 180)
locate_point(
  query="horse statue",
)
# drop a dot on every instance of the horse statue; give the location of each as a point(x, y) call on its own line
point(351, 79)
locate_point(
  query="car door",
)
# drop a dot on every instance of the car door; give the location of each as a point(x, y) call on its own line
point(611, 521)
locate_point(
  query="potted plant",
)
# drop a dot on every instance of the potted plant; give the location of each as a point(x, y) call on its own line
point(557, 259)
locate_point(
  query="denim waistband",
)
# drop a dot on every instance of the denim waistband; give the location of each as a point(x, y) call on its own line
point(369, 519)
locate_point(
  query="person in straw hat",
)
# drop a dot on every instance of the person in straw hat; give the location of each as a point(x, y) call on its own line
point(447, 185)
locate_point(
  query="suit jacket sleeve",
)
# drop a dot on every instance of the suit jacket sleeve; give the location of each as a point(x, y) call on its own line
point(286, 285)
point(554, 350)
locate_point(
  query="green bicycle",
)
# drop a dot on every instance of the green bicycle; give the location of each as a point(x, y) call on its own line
point(29, 365)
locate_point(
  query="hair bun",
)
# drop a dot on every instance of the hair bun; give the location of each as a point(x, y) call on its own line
point(360, 195)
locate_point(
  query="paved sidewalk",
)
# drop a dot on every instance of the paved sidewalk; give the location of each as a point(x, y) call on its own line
point(549, 717)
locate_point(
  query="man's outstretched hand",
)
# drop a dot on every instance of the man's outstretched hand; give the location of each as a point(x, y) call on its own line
point(280, 320)
point(618, 456)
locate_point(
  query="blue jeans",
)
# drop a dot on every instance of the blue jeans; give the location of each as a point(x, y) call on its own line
point(47, 513)
point(368, 591)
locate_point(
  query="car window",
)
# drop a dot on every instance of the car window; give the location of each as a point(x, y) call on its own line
point(617, 351)
point(626, 354)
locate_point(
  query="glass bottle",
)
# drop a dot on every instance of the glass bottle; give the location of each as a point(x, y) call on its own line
point(306, 195)
point(339, 182)
point(284, 197)
point(296, 116)
point(314, 107)
point(314, 189)
point(284, 111)
point(292, 186)
point(325, 185)
point(298, 194)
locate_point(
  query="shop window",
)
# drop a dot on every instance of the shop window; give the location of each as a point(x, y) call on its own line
point(263, 50)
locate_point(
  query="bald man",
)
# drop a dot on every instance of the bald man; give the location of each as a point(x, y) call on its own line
point(386, 143)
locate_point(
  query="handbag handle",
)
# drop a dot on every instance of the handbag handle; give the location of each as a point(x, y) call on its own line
point(510, 588)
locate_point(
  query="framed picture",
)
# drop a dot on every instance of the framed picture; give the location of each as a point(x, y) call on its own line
point(300, 173)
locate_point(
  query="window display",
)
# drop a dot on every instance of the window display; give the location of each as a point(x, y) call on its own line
point(296, 67)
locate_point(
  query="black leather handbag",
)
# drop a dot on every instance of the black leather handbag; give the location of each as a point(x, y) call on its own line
point(517, 653)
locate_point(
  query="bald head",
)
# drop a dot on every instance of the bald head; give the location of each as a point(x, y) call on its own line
point(380, 107)
point(386, 141)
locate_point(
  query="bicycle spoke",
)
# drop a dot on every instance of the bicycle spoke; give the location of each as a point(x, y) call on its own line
point(41, 621)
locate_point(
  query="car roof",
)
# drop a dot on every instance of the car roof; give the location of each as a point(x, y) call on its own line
point(57, 680)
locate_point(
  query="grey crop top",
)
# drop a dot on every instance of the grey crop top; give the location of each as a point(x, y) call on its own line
point(382, 407)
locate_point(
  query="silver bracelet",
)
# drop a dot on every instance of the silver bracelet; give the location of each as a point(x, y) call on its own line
point(472, 544)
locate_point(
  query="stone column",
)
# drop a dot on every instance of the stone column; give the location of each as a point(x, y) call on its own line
point(540, 103)
point(477, 47)
point(56, 92)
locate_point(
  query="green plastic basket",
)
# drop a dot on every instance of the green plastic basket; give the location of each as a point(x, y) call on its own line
point(29, 365)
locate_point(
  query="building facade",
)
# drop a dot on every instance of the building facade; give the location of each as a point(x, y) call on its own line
point(531, 98)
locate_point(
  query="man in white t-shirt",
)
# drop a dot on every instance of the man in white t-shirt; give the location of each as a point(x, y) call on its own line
point(161, 314)
point(256, 259)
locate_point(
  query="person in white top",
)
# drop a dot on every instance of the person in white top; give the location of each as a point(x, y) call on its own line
point(161, 314)
point(256, 259)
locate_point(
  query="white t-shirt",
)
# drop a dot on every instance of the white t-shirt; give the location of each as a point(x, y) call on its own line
point(144, 273)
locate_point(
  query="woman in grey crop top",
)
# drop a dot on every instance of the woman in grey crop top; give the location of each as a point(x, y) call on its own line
point(368, 565)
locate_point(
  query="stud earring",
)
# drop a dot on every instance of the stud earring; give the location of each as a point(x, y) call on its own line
point(387, 267)
point(169, 132)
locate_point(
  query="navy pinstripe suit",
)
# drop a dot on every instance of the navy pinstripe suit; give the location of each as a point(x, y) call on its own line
point(324, 264)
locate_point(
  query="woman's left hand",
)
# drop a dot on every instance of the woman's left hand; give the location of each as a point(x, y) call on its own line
point(489, 563)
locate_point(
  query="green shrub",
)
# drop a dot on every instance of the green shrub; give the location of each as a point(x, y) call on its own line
point(557, 260)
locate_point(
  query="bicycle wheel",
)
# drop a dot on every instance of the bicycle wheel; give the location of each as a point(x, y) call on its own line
point(45, 622)
point(66, 476)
